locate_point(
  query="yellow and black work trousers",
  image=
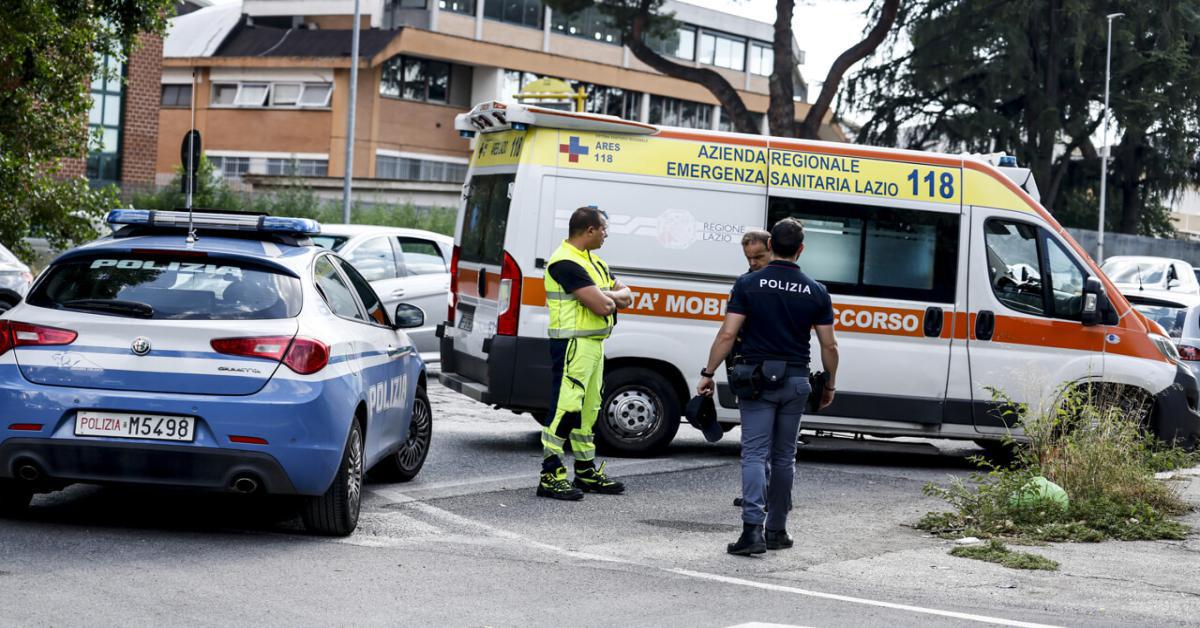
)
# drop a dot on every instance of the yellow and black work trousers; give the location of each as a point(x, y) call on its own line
point(580, 361)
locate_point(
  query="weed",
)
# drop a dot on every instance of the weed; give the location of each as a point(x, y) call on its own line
point(996, 552)
point(1095, 447)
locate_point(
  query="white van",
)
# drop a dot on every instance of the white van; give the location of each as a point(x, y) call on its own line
point(948, 279)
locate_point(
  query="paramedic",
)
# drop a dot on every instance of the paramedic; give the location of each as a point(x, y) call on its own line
point(583, 299)
point(775, 310)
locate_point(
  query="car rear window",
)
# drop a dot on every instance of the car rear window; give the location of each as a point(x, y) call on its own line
point(165, 286)
point(331, 242)
point(1171, 318)
point(485, 221)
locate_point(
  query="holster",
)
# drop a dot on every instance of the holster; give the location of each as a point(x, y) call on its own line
point(742, 380)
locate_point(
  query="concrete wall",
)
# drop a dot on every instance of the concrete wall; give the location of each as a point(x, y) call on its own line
point(1124, 244)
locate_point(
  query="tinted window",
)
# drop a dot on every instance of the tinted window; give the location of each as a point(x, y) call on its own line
point(1171, 318)
point(422, 257)
point(367, 295)
point(1013, 265)
point(374, 258)
point(876, 251)
point(169, 287)
point(485, 220)
point(335, 292)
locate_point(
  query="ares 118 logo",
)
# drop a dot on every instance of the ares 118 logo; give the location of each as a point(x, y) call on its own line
point(387, 394)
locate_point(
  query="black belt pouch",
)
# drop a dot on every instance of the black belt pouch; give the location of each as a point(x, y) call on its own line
point(774, 374)
point(742, 381)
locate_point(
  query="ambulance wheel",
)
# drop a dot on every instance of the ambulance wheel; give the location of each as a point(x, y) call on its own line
point(639, 413)
point(14, 499)
point(336, 512)
point(406, 463)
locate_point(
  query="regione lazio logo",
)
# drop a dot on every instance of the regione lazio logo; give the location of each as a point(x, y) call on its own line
point(573, 149)
point(140, 346)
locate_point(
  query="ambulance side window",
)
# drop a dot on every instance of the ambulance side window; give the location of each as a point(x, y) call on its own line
point(1066, 281)
point(1014, 268)
point(873, 251)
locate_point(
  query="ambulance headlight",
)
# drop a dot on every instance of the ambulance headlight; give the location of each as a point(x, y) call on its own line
point(1165, 347)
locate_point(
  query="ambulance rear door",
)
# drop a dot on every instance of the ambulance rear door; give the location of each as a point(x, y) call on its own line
point(882, 235)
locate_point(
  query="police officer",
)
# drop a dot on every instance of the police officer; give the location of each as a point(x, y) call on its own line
point(757, 249)
point(583, 298)
point(774, 309)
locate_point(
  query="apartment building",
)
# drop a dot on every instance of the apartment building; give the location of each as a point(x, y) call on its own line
point(270, 79)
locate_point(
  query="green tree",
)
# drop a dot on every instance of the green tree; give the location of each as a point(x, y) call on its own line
point(1027, 77)
point(642, 22)
point(49, 51)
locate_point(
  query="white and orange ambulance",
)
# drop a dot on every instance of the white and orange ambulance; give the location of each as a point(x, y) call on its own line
point(949, 280)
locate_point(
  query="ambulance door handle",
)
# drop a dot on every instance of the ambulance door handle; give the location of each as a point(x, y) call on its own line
point(985, 325)
point(933, 322)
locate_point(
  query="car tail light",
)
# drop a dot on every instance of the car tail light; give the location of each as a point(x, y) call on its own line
point(18, 334)
point(304, 355)
point(1189, 353)
point(452, 298)
point(307, 355)
point(508, 305)
point(269, 347)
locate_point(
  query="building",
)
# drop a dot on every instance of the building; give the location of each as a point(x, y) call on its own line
point(124, 115)
point(271, 83)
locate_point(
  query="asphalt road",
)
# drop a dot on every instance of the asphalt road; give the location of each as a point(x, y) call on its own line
point(468, 544)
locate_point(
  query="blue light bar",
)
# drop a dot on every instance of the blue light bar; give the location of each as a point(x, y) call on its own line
point(1007, 161)
point(466, 134)
point(202, 220)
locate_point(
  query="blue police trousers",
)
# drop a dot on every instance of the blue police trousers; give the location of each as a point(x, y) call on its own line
point(770, 427)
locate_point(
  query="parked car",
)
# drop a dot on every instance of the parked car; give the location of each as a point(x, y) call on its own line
point(1179, 315)
point(404, 266)
point(249, 361)
point(1136, 272)
point(15, 279)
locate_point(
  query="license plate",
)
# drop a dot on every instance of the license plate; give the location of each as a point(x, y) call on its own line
point(130, 425)
point(466, 319)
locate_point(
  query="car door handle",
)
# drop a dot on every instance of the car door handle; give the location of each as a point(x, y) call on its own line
point(933, 322)
point(398, 292)
point(985, 325)
point(393, 350)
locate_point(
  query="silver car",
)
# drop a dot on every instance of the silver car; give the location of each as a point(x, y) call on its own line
point(15, 279)
point(1179, 315)
point(404, 266)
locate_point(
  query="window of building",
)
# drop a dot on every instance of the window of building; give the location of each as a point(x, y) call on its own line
point(589, 23)
point(724, 51)
point(252, 95)
point(725, 123)
point(412, 78)
point(680, 43)
point(230, 167)
point(466, 7)
point(413, 169)
point(176, 96)
point(612, 101)
point(683, 113)
point(523, 12)
point(883, 252)
point(262, 94)
point(104, 121)
point(298, 167)
point(762, 59)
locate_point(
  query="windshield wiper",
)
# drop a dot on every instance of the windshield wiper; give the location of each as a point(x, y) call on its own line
point(113, 306)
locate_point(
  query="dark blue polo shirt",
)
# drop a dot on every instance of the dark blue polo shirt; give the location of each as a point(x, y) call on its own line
point(781, 304)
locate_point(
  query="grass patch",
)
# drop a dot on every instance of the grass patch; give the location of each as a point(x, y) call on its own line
point(996, 552)
point(1093, 446)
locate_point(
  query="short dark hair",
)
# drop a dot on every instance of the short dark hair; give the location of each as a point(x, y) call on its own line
point(584, 218)
point(787, 236)
point(761, 236)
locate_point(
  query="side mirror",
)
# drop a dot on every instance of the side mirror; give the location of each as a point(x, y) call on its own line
point(408, 316)
point(1095, 302)
point(1174, 283)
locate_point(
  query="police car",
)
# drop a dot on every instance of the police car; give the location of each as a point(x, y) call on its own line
point(245, 359)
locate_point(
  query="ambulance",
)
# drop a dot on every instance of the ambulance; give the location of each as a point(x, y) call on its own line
point(955, 292)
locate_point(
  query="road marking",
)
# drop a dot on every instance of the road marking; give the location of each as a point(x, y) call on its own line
point(999, 621)
point(459, 520)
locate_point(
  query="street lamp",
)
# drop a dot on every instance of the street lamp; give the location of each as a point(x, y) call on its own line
point(1104, 145)
point(349, 174)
